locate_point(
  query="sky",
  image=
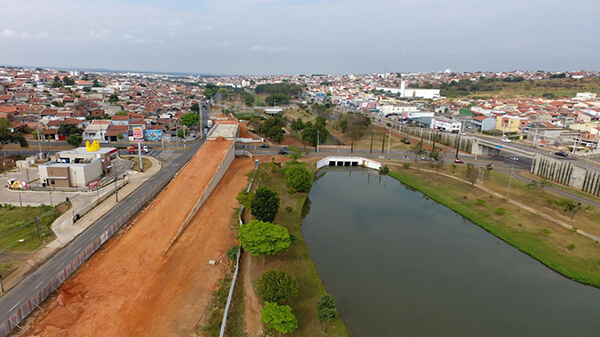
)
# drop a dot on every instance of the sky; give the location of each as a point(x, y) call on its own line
point(265, 37)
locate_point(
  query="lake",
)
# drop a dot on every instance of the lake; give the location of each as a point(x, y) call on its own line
point(400, 264)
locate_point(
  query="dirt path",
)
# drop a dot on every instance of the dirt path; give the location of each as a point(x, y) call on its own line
point(128, 288)
point(252, 308)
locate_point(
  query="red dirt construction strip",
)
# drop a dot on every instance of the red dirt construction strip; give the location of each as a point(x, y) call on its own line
point(128, 288)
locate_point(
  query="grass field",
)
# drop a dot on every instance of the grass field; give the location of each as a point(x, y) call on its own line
point(136, 163)
point(18, 230)
point(561, 249)
point(296, 261)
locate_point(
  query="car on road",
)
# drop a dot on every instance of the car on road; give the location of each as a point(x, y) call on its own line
point(264, 146)
point(458, 161)
point(561, 154)
point(506, 140)
point(134, 149)
point(282, 151)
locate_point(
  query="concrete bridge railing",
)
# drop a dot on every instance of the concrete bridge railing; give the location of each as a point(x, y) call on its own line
point(348, 161)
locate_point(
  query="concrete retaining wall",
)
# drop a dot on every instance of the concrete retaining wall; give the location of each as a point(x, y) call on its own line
point(566, 172)
point(214, 181)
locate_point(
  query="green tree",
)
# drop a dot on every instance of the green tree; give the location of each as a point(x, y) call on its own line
point(195, 107)
point(298, 178)
point(113, 98)
point(326, 308)
point(264, 238)
point(190, 119)
point(180, 132)
point(265, 204)
point(572, 207)
point(7, 136)
point(276, 286)
point(278, 317)
point(472, 174)
point(277, 99)
point(87, 89)
point(74, 139)
point(245, 198)
point(69, 129)
point(121, 113)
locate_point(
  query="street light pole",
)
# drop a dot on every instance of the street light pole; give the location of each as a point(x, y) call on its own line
point(510, 176)
point(389, 140)
point(318, 140)
point(116, 190)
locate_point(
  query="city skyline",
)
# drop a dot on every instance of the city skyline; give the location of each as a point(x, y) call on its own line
point(292, 37)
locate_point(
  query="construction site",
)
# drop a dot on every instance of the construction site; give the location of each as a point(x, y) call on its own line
point(154, 277)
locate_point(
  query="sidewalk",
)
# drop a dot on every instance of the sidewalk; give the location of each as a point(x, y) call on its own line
point(66, 230)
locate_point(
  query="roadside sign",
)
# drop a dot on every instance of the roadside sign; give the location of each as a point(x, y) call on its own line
point(93, 184)
point(498, 146)
point(138, 134)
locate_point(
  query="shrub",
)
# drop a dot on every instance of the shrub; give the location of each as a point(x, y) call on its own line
point(289, 209)
point(326, 308)
point(232, 252)
point(480, 202)
point(276, 286)
point(278, 317)
point(384, 170)
point(546, 232)
point(500, 211)
point(406, 165)
point(298, 178)
point(571, 246)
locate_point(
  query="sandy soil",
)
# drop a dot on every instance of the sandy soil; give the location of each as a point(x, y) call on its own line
point(254, 326)
point(244, 133)
point(128, 288)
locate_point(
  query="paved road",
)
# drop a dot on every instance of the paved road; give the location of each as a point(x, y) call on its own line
point(42, 276)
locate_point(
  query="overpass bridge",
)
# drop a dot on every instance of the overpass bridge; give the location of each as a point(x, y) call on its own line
point(484, 147)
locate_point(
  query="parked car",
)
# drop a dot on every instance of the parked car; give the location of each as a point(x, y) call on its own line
point(264, 146)
point(506, 140)
point(282, 151)
point(458, 161)
point(561, 154)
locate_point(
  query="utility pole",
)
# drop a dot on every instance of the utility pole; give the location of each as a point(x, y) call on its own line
point(116, 190)
point(457, 146)
point(389, 140)
point(383, 143)
point(371, 150)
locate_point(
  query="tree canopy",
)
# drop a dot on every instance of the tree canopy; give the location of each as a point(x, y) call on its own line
point(264, 238)
point(298, 178)
point(7, 136)
point(278, 317)
point(74, 139)
point(69, 129)
point(326, 308)
point(113, 98)
point(190, 119)
point(279, 88)
point(265, 204)
point(276, 286)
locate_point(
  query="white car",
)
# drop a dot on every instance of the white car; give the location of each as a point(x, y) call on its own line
point(506, 140)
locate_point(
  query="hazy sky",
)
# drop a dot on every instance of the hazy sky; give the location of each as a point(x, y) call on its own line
point(301, 36)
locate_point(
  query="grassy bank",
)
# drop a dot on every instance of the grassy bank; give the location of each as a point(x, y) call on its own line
point(296, 261)
point(562, 250)
point(18, 231)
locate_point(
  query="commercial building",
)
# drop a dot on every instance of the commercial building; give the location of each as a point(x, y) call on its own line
point(77, 167)
point(403, 91)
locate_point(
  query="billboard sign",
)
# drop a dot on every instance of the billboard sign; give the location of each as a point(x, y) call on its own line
point(154, 135)
point(138, 134)
point(93, 184)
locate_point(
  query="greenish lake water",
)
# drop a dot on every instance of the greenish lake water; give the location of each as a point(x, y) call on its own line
point(399, 264)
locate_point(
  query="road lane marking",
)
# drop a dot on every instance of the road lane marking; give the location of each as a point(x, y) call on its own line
point(39, 285)
point(60, 265)
point(77, 251)
point(14, 306)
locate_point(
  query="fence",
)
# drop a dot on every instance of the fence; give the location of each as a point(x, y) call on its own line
point(237, 264)
point(15, 318)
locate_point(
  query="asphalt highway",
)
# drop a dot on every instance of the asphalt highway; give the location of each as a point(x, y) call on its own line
point(27, 288)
